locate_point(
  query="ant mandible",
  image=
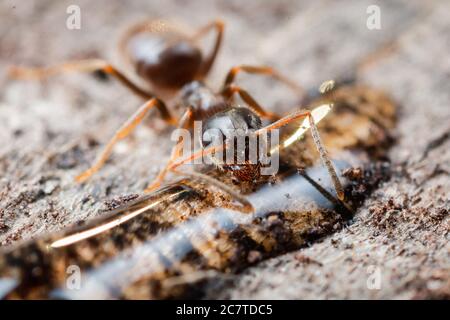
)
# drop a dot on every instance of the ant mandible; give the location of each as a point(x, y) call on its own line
point(166, 58)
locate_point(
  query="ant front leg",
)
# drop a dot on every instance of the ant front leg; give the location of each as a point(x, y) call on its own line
point(185, 122)
point(125, 130)
point(319, 113)
point(245, 207)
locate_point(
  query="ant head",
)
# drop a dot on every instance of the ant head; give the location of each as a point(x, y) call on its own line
point(226, 125)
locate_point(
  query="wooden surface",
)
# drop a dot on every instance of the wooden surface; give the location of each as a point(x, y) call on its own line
point(51, 130)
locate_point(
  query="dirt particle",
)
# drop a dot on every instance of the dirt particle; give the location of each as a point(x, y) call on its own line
point(306, 260)
point(3, 226)
point(254, 256)
point(353, 173)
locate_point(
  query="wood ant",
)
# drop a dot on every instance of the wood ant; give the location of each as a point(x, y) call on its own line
point(166, 58)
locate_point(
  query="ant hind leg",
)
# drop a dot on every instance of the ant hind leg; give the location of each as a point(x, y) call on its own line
point(87, 66)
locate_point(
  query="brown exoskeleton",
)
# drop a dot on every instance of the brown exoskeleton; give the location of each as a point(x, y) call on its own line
point(170, 60)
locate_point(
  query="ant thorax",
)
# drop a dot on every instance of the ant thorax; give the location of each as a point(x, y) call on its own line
point(199, 96)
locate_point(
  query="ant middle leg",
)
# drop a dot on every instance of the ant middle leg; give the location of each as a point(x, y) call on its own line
point(228, 92)
point(125, 130)
point(262, 70)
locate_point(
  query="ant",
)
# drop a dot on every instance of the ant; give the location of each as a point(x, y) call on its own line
point(168, 59)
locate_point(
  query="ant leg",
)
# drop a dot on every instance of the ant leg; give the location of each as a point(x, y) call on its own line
point(91, 65)
point(219, 26)
point(185, 122)
point(231, 89)
point(122, 133)
point(246, 205)
point(262, 70)
point(301, 114)
point(320, 112)
point(326, 159)
point(198, 154)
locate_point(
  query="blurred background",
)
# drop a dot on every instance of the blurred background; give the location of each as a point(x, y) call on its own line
point(52, 129)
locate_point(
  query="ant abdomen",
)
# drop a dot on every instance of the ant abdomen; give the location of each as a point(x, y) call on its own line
point(164, 60)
